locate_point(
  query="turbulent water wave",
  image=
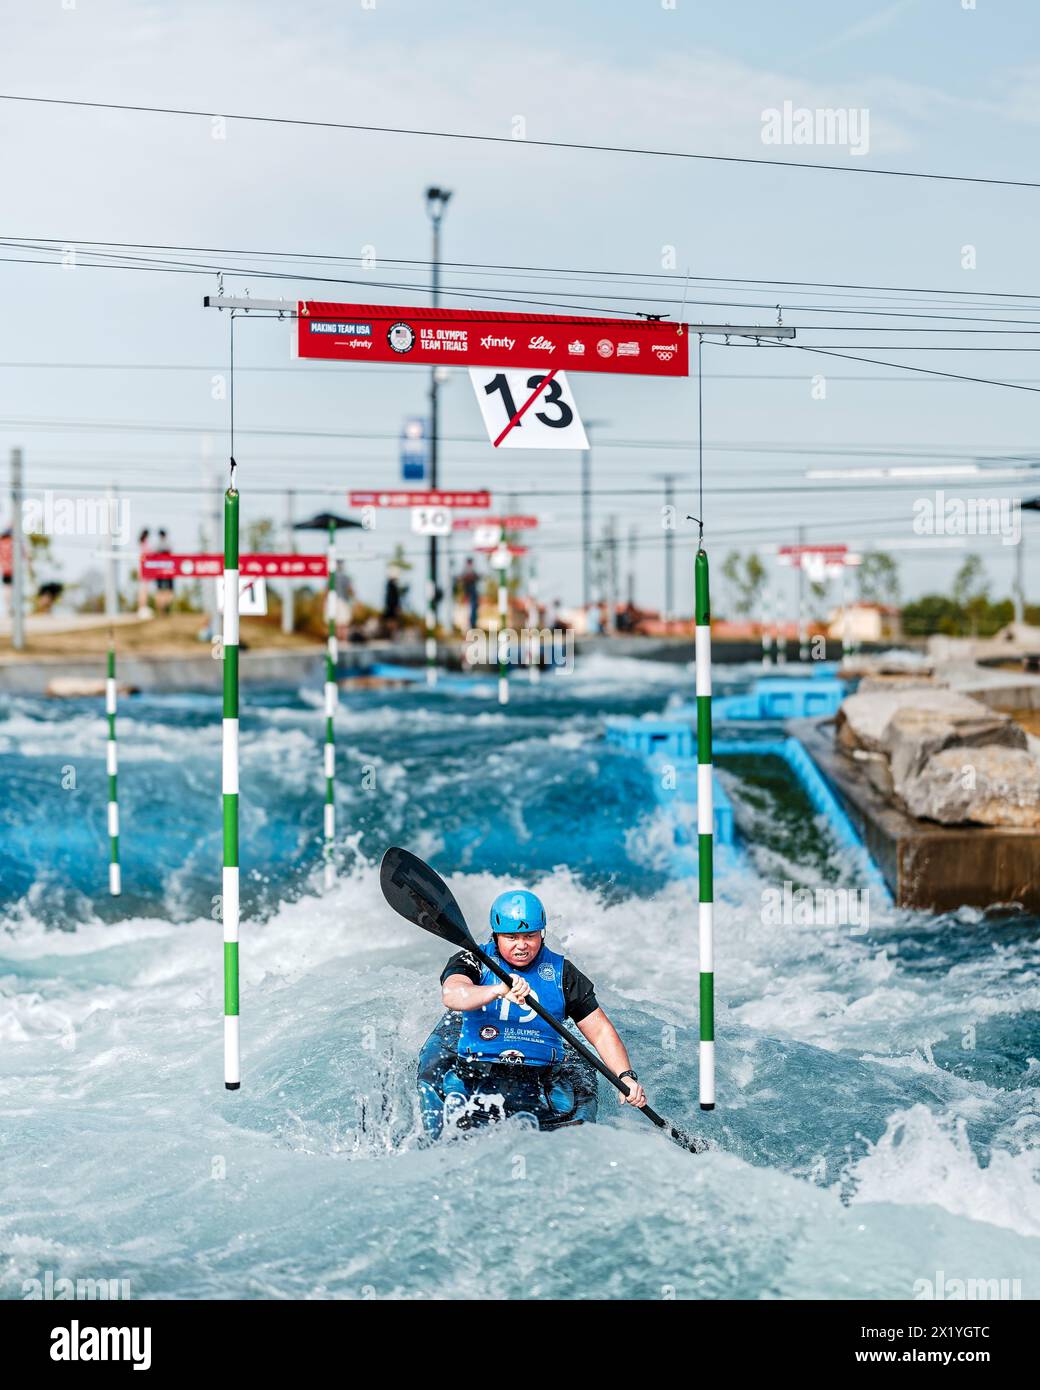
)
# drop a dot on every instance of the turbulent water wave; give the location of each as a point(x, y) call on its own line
point(877, 1118)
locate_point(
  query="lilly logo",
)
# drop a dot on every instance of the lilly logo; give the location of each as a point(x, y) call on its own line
point(540, 344)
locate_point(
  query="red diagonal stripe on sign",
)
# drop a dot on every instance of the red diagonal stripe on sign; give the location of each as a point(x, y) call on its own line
point(538, 391)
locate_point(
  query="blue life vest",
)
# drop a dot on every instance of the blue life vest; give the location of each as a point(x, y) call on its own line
point(505, 1032)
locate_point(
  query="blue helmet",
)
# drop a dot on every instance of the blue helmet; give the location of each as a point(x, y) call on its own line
point(517, 911)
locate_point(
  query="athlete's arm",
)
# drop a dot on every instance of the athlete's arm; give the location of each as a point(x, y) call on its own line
point(459, 992)
point(603, 1036)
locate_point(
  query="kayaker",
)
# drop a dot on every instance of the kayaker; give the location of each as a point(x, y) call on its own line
point(492, 1057)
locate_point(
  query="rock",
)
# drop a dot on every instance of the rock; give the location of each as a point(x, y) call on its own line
point(991, 785)
point(864, 717)
point(913, 735)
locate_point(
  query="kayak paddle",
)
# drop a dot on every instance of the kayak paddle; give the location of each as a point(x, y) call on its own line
point(421, 896)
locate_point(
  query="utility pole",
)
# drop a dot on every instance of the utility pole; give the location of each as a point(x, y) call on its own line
point(803, 625)
point(586, 524)
point(17, 555)
point(289, 591)
point(111, 561)
point(437, 200)
point(633, 545)
point(610, 557)
point(669, 546)
point(586, 514)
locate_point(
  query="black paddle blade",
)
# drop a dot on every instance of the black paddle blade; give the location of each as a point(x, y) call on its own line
point(419, 894)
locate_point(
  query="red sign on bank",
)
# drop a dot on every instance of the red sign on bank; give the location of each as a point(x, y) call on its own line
point(410, 497)
point(477, 338)
point(164, 566)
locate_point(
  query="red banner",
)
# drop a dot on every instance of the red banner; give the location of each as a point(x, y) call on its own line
point(507, 523)
point(405, 497)
point(162, 566)
point(478, 338)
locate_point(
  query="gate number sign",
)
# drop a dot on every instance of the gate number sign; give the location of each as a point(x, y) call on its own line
point(528, 409)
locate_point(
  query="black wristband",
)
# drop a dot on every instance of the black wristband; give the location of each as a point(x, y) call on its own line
point(623, 1074)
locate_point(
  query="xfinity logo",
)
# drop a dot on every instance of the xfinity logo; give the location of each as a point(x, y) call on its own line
point(540, 344)
point(490, 342)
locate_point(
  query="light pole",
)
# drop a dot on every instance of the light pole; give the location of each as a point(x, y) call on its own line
point(437, 200)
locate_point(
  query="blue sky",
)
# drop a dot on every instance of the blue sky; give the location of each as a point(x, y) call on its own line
point(947, 89)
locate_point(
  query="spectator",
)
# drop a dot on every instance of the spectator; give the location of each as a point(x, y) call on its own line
point(164, 586)
point(142, 583)
point(470, 584)
point(392, 602)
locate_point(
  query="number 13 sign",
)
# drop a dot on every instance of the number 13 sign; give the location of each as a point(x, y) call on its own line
point(528, 409)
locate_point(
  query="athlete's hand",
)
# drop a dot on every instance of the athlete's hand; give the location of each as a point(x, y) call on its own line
point(517, 992)
point(636, 1094)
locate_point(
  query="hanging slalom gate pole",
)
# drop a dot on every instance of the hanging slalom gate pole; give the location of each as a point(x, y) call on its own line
point(705, 833)
point(331, 699)
point(229, 885)
point(503, 623)
point(115, 886)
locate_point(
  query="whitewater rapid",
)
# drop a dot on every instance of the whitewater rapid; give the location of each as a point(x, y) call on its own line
point(877, 1121)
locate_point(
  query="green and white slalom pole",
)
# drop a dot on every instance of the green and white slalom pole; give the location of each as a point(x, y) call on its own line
point(115, 884)
point(331, 700)
point(503, 622)
point(705, 833)
point(229, 885)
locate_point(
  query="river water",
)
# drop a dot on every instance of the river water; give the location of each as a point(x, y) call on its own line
point(877, 1125)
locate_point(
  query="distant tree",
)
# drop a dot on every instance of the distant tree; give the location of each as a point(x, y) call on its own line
point(970, 581)
point(877, 578)
point(971, 592)
point(932, 613)
point(747, 576)
point(260, 537)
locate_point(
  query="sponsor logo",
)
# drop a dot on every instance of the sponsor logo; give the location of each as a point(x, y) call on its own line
point(605, 347)
point(545, 971)
point(540, 344)
point(628, 349)
point(488, 1032)
point(355, 329)
point(577, 348)
point(512, 1055)
point(401, 337)
point(359, 343)
point(492, 342)
point(664, 352)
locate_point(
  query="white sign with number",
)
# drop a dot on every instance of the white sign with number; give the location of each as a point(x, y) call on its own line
point(550, 421)
point(431, 521)
point(252, 597)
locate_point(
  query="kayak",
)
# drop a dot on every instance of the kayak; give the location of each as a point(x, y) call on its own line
point(459, 1093)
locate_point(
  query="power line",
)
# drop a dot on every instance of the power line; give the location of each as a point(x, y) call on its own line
point(423, 266)
point(907, 367)
point(509, 140)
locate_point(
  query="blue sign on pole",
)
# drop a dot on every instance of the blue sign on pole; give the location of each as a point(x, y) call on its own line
point(414, 449)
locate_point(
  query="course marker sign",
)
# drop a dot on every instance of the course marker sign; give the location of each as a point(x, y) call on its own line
point(479, 338)
point(415, 498)
point(528, 410)
point(250, 566)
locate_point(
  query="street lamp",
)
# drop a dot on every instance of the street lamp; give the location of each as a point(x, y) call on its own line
point(437, 200)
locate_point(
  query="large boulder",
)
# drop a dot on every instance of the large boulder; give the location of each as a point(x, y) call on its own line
point(992, 785)
point(911, 725)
